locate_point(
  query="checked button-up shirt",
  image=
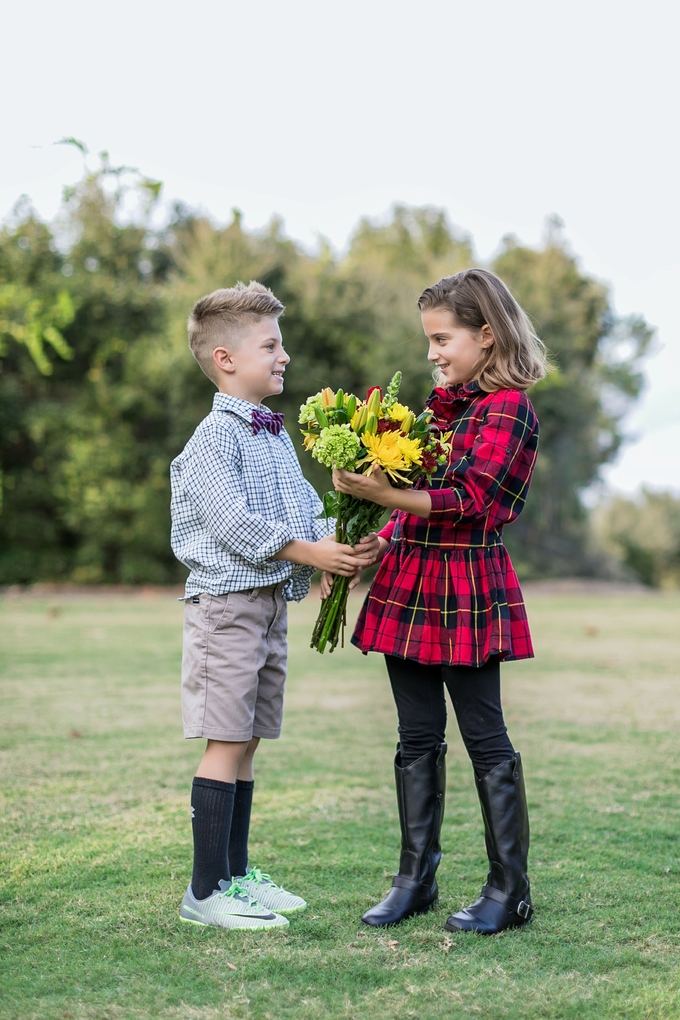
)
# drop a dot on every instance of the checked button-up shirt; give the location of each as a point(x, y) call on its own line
point(237, 499)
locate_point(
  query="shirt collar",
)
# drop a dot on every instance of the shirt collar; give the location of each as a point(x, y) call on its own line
point(464, 391)
point(242, 408)
point(444, 399)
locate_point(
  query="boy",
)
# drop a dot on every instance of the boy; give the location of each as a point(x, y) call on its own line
point(244, 522)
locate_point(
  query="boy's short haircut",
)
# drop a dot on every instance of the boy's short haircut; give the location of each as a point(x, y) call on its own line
point(217, 318)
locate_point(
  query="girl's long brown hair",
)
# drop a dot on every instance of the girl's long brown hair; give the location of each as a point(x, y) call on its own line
point(476, 298)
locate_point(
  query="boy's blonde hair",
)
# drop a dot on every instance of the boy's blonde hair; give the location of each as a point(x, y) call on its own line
point(476, 298)
point(217, 319)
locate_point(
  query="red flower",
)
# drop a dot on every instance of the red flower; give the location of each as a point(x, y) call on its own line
point(369, 391)
point(428, 461)
point(388, 426)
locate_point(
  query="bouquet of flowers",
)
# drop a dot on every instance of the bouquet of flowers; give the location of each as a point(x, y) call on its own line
point(344, 432)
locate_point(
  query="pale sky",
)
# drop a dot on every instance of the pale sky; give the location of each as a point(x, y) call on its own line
point(503, 113)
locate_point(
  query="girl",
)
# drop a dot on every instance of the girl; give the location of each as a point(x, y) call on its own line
point(445, 606)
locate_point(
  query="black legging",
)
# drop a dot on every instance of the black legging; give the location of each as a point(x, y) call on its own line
point(476, 695)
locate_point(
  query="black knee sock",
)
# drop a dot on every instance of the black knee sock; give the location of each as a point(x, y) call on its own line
point(240, 826)
point(212, 807)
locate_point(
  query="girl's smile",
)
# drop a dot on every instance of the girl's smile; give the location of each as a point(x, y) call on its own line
point(453, 349)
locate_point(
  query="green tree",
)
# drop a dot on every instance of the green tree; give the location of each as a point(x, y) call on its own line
point(328, 326)
point(595, 377)
point(643, 535)
point(396, 260)
point(79, 435)
point(98, 391)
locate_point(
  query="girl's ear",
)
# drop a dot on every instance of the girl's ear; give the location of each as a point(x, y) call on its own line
point(487, 336)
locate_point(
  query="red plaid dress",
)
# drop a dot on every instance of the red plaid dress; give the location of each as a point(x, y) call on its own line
point(446, 592)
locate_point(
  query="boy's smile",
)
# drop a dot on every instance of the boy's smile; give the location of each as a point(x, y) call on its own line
point(254, 368)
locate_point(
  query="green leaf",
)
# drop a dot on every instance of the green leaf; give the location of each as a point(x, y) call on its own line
point(330, 504)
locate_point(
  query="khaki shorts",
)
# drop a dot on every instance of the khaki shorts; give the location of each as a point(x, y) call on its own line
point(234, 664)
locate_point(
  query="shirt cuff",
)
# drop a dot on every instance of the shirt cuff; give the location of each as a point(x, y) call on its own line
point(282, 536)
point(446, 504)
point(387, 531)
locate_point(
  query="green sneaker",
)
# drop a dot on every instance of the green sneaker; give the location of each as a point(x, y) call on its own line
point(269, 894)
point(229, 907)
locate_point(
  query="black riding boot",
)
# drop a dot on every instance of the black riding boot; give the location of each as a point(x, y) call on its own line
point(420, 797)
point(505, 901)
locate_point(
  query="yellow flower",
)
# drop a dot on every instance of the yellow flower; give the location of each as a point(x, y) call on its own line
point(398, 412)
point(383, 449)
point(359, 418)
point(327, 397)
point(411, 450)
point(309, 441)
point(374, 404)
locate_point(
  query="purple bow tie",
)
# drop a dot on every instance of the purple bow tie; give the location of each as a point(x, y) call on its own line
point(272, 421)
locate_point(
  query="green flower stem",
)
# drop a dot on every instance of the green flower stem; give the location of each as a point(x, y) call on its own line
point(355, 519)
point(334, 623)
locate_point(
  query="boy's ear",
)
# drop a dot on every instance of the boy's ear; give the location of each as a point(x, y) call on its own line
point(223, 359)
point(487, 335)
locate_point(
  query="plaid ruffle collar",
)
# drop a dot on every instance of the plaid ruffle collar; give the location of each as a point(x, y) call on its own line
point(444, 401)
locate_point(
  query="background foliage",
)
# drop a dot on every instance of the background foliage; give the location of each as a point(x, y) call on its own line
point(643, 534)
point(98, 391)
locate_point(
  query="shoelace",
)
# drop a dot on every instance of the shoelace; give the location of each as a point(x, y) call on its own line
point(257, 876)
point(236, 889)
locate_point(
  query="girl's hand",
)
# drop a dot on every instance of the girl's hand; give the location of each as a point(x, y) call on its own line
point(327, 583)
point(325, 586)
point(375, 487)
point(370, 545)
point(383, 545)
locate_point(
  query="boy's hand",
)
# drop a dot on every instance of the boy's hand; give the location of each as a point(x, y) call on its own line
point(336, 558)
point(328, 555)
point(371, 545)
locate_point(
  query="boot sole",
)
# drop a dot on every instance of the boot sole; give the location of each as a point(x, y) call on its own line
point(407, 917)
point(478, 931)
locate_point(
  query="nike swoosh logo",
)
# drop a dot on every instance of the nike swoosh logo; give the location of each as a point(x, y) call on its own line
point(257, 917)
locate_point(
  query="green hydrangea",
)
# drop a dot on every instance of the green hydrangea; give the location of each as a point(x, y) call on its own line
point(337, 446)
point(307, 409)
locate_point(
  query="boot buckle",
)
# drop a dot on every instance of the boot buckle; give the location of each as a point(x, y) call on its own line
point(524, 910)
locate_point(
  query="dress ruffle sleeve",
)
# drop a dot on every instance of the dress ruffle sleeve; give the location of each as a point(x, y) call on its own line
point(486, 472)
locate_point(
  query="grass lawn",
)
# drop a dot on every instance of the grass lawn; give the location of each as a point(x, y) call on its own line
point(96, 847)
